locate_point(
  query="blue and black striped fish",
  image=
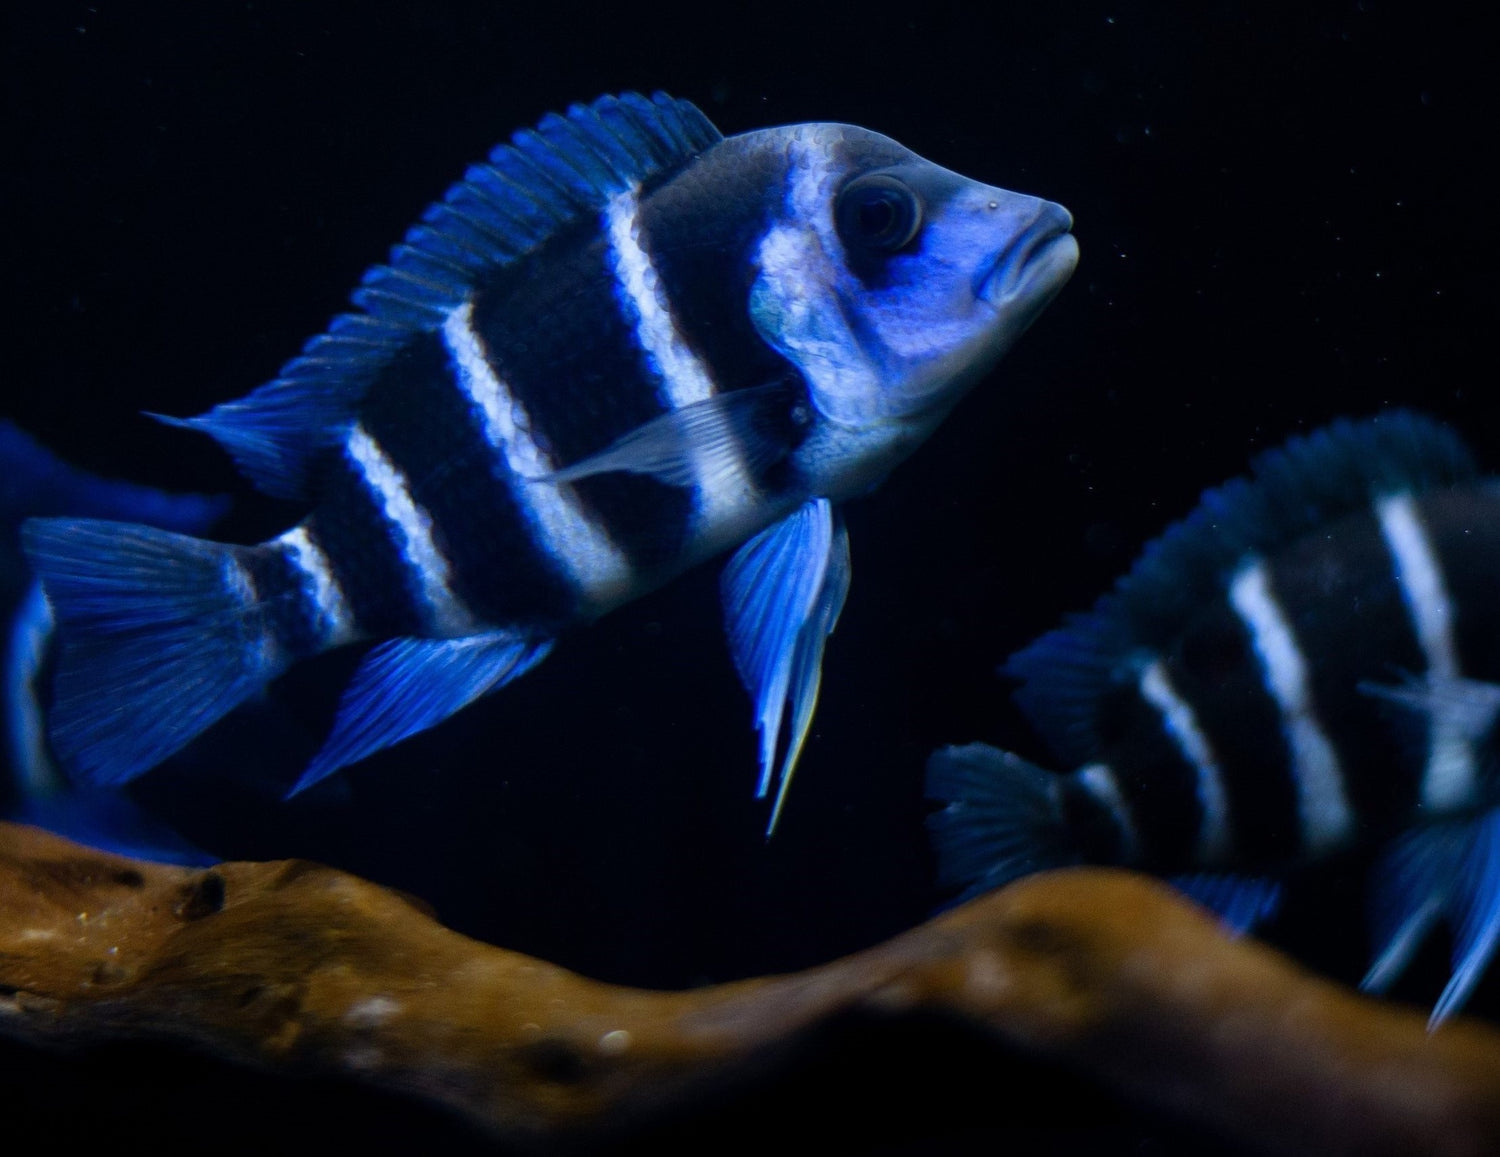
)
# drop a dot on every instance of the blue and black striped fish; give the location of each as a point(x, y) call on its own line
point(619, 346)
point(1308, 663)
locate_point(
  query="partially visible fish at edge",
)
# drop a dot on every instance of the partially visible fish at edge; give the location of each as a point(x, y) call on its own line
point(1307, 664)
point(37, 482)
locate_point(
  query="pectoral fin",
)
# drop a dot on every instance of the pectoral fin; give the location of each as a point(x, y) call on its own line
point(703, 442)
point(783, 592)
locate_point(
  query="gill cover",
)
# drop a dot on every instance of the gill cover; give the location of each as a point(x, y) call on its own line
point(893, 283)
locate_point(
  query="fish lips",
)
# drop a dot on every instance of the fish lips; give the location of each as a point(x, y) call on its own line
point(1029, 271)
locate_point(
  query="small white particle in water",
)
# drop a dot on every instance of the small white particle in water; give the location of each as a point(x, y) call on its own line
point(372, 1013)
point(614, 1043)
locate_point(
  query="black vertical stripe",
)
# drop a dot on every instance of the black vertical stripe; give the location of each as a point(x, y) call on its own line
point(1159, 786)
point(702, 231)
point(364, 553)
point(1463, 527)
point(427, 426)
point(282, 600)
point(1338, 591)
point(1092, 825)
point(559, 340)
point(1213, 667)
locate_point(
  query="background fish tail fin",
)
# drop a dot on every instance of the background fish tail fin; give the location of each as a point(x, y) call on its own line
point(1004, 818)
point(111, 822)
point(160, 635)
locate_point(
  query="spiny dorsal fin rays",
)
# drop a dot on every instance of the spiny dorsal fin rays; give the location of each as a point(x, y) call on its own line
point(565, 169)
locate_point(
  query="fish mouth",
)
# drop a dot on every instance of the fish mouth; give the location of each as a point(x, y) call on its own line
point(1034, 265)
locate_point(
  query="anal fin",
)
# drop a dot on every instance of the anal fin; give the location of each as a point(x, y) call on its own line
point(407, 685)
point(783, 591)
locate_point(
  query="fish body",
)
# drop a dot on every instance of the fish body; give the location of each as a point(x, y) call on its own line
point(1309, 663)
point(620, 346)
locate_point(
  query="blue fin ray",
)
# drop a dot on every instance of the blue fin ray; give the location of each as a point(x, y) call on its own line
point(407, 685)
point(807, 663)
point(1240, 902)
point(159, 638)
point(782, 593)
point(1474, 911)
point(1003, 818)
point(1309, 481)
point(1410, 884)
point(38, 483)
point(1442, 871)
point(544, 179)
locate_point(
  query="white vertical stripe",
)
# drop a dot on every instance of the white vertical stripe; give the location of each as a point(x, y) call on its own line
point(1323, 808)
point(723, 487)
point(1182, 725)
point(411, 528)
point(560, 524)
point(334, 617)
point(1098, 780)
point(1448, 781)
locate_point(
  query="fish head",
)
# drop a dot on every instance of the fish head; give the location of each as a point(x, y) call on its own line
point(893, 284)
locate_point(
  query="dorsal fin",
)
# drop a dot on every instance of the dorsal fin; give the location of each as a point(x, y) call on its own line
point(1310, 481)
point(504, 207)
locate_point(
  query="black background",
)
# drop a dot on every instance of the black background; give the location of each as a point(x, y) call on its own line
point(1283, 218)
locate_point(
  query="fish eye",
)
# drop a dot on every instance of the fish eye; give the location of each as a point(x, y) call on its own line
point(877, 212)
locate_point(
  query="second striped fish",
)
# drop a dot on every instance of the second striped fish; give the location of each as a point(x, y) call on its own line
point(1309, 663)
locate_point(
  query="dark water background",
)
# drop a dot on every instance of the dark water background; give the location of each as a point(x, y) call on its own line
point(1282, 220)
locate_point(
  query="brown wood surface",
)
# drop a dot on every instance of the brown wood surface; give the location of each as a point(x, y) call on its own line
point(297, 967)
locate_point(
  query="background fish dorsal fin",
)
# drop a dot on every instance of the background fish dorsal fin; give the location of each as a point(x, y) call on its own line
point(1311, 480)
point(566, 168)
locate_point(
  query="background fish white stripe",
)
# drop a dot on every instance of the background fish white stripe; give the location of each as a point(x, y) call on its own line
point(724, 488)
point(1322, 805)
point(1098, 779)
point(558, 520)
point(333, 611)
point(412, 527)
point(1448, 779)
point(1182, 725)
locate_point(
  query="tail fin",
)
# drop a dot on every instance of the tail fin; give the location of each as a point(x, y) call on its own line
point(160, 634)
point(1004, 818)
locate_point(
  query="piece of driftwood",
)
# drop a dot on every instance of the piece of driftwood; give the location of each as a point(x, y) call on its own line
point(298, 967)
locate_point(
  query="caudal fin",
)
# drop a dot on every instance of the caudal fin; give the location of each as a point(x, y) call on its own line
point(1004, 818)
point(160, 635)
